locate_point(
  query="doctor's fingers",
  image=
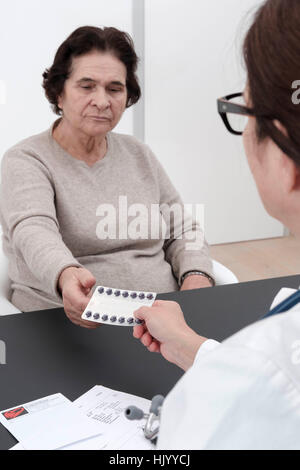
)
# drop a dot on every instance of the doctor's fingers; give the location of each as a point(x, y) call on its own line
point(138, 331)
point(146, 339)
point(154, 346)
point(143, 313)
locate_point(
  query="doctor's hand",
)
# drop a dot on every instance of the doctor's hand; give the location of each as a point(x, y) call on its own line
point(165, 331)
point(75, 285)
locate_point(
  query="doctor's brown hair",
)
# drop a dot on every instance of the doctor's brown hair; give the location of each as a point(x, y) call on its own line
point(82, 41)
point(272, 57)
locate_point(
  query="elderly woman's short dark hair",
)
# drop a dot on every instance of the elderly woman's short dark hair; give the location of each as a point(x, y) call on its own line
point(82, 41)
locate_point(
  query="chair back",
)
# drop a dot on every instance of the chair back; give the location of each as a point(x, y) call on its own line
point(223, 275)
point(5, 284)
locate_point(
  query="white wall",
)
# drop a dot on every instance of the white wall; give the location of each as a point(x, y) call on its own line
point(30, 33)
point(192, 57)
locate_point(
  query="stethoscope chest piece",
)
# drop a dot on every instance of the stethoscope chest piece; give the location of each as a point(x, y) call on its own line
point(151, 427)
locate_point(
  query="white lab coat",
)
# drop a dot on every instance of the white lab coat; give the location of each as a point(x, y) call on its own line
point(241, 394)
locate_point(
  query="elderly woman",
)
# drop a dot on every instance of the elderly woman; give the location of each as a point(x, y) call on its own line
point(57, 184)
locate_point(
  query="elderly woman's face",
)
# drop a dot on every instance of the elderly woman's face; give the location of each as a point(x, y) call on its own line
point(95, 94)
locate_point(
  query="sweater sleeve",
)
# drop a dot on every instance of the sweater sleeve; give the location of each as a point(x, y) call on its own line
point(28, 209)
point(185, 246)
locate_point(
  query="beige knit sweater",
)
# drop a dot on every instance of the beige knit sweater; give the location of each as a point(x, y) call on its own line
point(53, 209)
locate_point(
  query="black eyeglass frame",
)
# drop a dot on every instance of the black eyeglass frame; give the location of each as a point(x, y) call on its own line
point(226, 106)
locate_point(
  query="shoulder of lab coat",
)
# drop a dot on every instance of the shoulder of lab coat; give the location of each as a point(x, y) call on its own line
point(241, 394)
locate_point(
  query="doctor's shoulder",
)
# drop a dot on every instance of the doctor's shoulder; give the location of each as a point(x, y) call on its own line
point(277, 338)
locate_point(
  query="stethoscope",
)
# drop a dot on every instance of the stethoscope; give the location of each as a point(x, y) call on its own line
point(152, 418)
point(285, 305)
point(151, 428)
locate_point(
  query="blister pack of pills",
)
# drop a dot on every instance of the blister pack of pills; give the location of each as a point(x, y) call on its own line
point(116, 306)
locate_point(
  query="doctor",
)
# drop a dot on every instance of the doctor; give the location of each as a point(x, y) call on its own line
point(245, 392)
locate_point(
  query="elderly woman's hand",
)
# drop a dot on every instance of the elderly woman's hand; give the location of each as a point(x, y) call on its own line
point(195, 282)
point(75, 285)
point(165, 331)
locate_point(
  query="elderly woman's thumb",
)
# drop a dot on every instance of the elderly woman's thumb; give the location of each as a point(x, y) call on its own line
point(86, 278)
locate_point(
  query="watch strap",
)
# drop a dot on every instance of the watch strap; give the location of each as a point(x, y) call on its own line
point(199, 273)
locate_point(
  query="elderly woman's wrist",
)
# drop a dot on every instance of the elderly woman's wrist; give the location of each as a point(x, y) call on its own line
point(65, 275)
point(197, 276)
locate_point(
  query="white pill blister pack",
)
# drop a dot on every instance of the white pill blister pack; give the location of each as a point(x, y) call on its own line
point(116, 306)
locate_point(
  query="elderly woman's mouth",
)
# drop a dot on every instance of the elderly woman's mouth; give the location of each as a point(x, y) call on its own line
point(100, 118)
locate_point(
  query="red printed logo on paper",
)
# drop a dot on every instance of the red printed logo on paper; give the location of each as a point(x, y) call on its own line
point(15, 412)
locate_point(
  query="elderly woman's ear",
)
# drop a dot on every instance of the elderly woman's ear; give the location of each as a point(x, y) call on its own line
point(59, 103)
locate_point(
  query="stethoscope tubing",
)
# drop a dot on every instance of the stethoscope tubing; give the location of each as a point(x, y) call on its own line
point(285, 305)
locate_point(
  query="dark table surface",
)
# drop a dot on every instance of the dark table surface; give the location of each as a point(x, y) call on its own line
point(46, 353)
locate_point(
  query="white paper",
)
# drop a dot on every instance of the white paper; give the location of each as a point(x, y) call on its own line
point(17, 447)
point(49, 423)
point(107, 406)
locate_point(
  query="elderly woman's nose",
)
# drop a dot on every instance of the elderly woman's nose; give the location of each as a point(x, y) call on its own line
point(101, 99)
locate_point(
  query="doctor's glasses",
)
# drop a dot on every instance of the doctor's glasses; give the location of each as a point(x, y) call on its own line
point(234, 112)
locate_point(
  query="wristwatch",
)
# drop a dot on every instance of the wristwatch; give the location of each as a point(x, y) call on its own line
point(199, 273)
